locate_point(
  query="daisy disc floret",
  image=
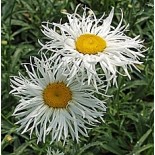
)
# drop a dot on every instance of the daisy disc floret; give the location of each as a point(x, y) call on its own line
point(50, 106)
point(57, 95)
point(87, 43)
point(90, 44)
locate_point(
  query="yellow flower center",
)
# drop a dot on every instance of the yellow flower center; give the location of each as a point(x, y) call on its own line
point(90, 44)
point(57, 95)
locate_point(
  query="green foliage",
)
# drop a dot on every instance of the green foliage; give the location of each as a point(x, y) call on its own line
point(128, 127)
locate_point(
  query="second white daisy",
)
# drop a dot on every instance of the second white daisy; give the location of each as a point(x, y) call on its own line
point(49, 105)
point(85, 42)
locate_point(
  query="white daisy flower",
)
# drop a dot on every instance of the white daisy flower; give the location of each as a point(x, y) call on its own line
point(50, 152)
point(49, 105)
point(85, 43)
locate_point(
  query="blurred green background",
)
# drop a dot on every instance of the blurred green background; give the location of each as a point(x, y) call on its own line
point(128, 127)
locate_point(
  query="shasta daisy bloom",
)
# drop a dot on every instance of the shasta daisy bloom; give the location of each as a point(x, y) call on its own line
point(87, 44)
point(49, 105)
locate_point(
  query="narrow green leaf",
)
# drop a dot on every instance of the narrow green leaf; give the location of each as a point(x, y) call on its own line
point(143, 138)
point(21, 148)
point(19, 22)
point(143, 148)
point(7, 9)
point(143, 19)
point(113, 149)
point(21, 30)
point(134, 84)
point(85, 147)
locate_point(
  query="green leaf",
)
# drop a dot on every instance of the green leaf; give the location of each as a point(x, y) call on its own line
point(19, 23)
point(7, 9)
point(113, 149)
point(143, 148)
point(22, 147)
point(134, 84)
point(21, 30)
point(143, 138)
point(143, 19)
point(85, 147)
